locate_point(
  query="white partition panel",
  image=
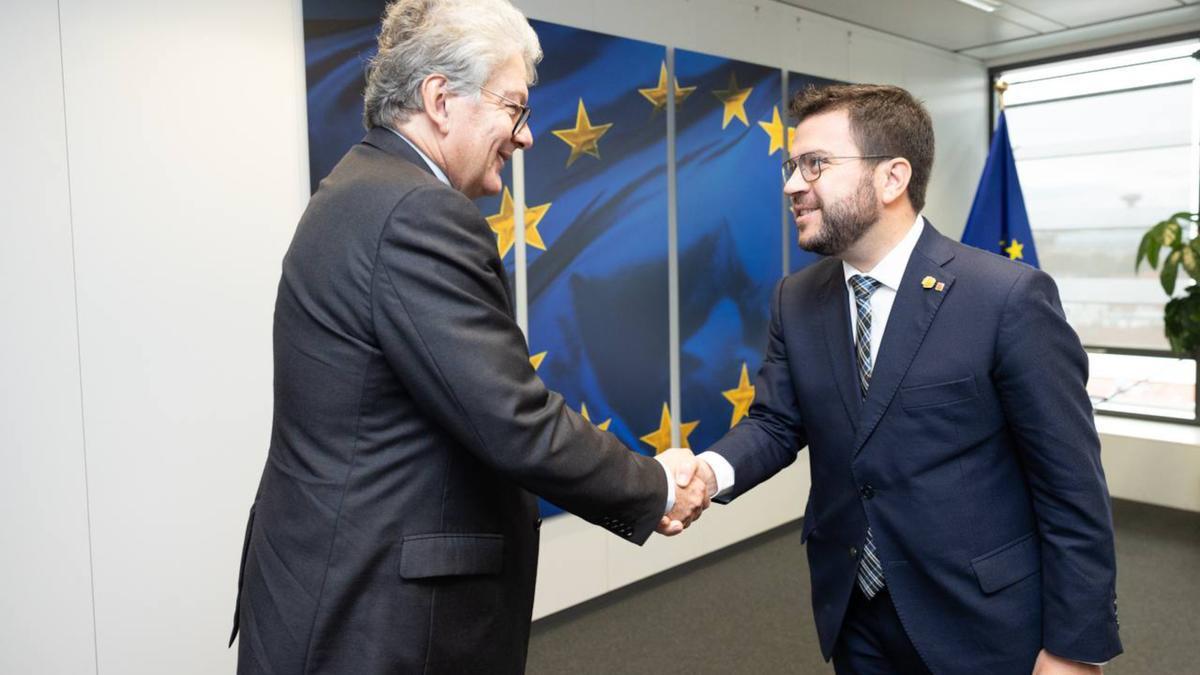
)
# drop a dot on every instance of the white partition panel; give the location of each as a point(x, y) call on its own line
point(45, 579)
point(189, 172)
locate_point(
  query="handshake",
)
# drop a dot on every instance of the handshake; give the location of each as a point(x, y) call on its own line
point(695, 486)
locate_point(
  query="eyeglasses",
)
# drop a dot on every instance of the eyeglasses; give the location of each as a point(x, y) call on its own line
point(810, 165)
point(519, 112)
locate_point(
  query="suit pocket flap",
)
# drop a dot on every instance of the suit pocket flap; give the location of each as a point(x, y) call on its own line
point(938, 394)
point(1008, 564)
point(810, 524)
point(440, 555)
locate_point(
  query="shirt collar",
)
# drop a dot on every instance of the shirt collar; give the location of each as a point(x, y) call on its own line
point(890, 270)
point(437, 171)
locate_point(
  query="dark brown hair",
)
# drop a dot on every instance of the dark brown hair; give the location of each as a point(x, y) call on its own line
point(884, 120)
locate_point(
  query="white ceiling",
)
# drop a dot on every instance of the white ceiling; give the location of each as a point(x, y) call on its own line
point(1016, 27)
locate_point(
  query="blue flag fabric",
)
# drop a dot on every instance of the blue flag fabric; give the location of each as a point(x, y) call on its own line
point(998, 220)
point(728, 152)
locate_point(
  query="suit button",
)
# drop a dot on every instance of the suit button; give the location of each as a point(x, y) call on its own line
point(853, 552)
point(867, 491)
point(537, 525)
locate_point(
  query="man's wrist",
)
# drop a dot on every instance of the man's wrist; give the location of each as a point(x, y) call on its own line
point(670, 487)
point(721, 468)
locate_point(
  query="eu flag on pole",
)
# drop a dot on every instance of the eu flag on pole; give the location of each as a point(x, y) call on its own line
point(998, 220)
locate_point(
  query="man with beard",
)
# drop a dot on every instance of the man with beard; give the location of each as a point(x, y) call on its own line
point(959, 519)
point(395, 528)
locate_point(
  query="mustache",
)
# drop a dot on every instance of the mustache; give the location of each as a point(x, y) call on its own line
point(798, 204)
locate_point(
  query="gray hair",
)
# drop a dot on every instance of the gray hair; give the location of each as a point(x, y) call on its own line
point(465, 40)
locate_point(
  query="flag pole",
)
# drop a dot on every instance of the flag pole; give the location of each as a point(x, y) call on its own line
point(1000, 86)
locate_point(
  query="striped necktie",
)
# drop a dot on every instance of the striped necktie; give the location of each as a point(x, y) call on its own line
point(870, 572)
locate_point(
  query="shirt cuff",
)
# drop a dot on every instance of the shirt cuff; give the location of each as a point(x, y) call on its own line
point(721, 468)
point(670, 488)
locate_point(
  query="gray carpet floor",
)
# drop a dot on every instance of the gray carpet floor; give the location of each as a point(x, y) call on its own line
point(746, 609)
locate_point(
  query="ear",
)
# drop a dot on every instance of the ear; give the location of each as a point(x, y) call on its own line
point(892, 179)
point(435, 97)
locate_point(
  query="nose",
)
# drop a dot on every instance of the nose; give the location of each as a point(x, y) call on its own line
point(524, 138)
point(796, 184)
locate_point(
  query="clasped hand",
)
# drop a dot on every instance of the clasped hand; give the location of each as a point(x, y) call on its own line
point(695, 485)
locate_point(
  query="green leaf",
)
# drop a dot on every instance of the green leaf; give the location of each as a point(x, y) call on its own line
point(1194, 248)
point(1144, 248)
point(1156, 244)
point(1172, 234)
point(1191, 261)
point(1170, 271)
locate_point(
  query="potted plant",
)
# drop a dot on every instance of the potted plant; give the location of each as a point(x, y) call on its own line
point(1181, 318)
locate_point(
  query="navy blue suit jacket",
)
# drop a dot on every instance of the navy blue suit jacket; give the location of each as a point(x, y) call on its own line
point(974, 459)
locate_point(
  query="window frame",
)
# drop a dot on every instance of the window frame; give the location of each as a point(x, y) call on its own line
point(993, 112)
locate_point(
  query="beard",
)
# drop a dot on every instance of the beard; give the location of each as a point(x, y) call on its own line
point(845, 222)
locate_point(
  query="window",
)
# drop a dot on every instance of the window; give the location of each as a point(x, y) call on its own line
point(1107, 145)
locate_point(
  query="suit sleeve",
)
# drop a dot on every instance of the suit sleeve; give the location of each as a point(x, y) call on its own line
point(1041, 376)
point(441, 313)
point(771, 435)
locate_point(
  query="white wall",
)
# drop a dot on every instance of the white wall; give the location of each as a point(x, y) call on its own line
point(46, 616)
point(138, 274)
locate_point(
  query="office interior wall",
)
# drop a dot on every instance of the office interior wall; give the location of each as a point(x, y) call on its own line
point(46, 613)
point(149, 408)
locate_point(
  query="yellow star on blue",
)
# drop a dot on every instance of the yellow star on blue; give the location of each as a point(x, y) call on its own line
point(603, 426)
point(775, 131)
point(504, 224)
point(741, 397)
point(734, 99)
point(584, 138)
point(660, 438)
point(536, 360)
point(1015, 250)
point(657, 94)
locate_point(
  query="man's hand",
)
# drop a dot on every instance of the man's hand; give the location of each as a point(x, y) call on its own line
point(1049, 664)
point(692, 494)
point(705, 473)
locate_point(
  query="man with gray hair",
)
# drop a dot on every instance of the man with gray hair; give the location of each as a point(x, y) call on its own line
point(394, 530)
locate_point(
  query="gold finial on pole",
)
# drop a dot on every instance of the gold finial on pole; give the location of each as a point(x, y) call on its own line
point(1001, 86)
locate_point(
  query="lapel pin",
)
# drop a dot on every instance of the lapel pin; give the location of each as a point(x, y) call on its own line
point(941, 286)
point(928, 282)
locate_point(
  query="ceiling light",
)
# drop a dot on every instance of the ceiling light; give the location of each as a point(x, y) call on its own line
point(985, 5)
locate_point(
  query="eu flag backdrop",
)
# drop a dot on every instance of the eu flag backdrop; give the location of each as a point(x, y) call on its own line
point(598, 306)
point(998, 220)
point(339, 40)
point(728, 147)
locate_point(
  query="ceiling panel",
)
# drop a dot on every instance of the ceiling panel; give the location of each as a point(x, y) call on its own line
point(941, 23)
point(1075, 13)
point(1016, 27)
point(1028, 19)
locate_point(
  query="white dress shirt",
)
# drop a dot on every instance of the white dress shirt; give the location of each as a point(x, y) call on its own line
point(888, 272)
point(437, 170)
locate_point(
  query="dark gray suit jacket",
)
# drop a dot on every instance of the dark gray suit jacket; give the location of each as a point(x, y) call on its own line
point(394, 530)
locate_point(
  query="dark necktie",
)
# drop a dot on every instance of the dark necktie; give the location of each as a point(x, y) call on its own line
point(870, 572)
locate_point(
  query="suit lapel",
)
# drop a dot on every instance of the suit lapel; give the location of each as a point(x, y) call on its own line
point(835, 317)
point(910, 319)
